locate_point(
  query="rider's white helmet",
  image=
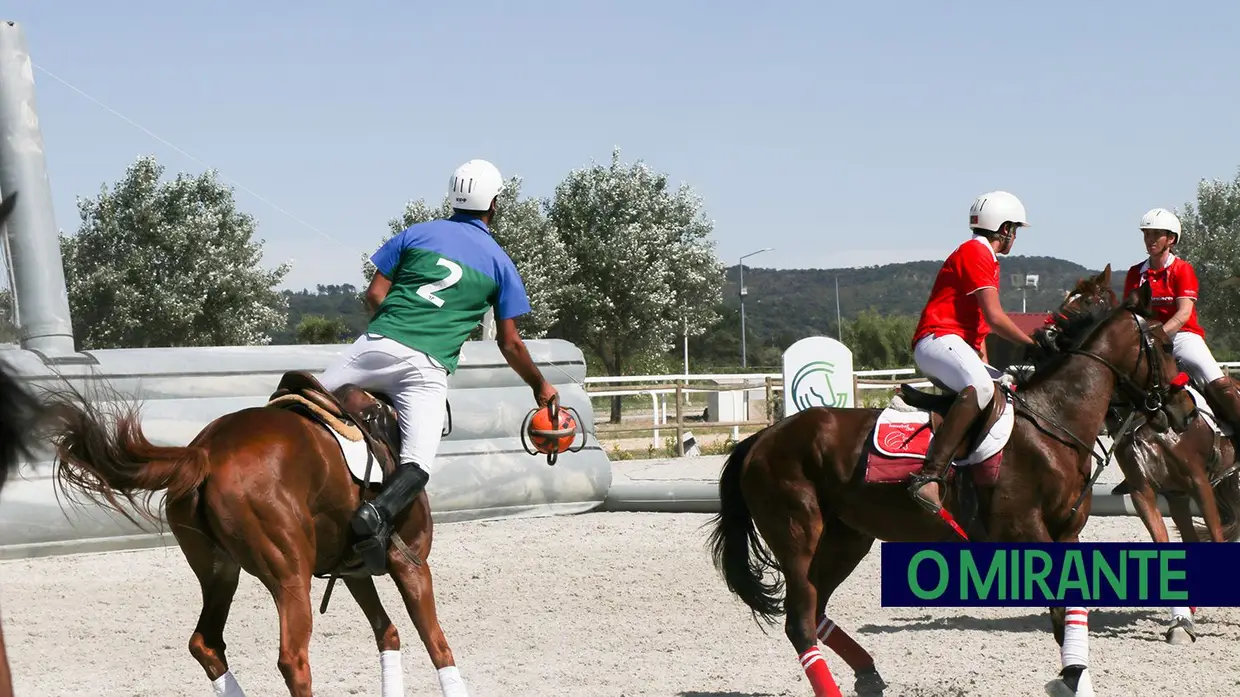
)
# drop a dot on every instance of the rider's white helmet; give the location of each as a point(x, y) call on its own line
point(993, 209)
point(474, 185)
point(1162, 219)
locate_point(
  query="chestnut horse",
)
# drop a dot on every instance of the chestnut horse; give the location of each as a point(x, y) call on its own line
point(264, 489)
point(799, 485)
point(1199, 463)
point(20, 413)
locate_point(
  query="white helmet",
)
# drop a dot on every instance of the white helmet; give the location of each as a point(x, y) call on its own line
point(1161, 219)
point(473, 185)
point(993, 209)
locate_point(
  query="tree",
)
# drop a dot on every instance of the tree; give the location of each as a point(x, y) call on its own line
point(645, 268)
point(169, 264)
point(522, 229)
point(1211, 242)
point(880, 341)
point(10, 333)
point(317, 329)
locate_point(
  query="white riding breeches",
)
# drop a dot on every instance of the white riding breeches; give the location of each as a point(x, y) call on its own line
point(417, 384)
point(1191, 351)
point(951, 361)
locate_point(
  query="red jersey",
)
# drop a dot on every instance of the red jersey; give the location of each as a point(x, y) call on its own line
point(953, 307)
point(1167, 285)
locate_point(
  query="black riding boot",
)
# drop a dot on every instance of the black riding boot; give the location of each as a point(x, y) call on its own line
point(373, 520)
point(947, 439)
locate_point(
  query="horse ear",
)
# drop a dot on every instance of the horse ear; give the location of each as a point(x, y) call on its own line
point(1140, 297)
point(1104, 278)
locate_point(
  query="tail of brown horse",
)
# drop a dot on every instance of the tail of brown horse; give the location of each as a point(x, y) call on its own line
point(736, 547)
point(104, 454)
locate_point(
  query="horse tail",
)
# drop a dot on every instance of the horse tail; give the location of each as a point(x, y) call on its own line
point(1227, 496)
point(735, 536)
point(20, 413)
point(108, 464)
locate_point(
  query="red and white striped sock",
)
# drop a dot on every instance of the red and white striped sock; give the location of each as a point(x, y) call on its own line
point(819, 674)
point(1075, 651)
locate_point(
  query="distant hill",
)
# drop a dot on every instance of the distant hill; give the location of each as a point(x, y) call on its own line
point(787, 303)
point(802, 301)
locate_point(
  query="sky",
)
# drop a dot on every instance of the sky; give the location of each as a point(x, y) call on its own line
point(839, 134)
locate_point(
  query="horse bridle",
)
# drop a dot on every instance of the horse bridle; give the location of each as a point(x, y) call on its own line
point(1154, 398)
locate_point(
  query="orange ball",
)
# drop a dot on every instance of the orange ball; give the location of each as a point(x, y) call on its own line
point(549, 435)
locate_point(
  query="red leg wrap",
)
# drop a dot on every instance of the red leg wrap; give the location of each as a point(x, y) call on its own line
point(819, 674)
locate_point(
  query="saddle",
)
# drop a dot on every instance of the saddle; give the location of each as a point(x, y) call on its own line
point(351, 411)
point(939, 404)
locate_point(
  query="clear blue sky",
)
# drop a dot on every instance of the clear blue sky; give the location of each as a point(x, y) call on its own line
point(839, 134)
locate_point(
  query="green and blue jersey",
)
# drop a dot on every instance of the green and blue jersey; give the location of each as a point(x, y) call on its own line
point(445, 275)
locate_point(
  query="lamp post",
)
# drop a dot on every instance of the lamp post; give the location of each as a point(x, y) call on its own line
point(1024, 282)
point(744, 356)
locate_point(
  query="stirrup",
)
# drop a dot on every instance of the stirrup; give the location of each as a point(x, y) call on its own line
point(919, 480)
point(373, 553)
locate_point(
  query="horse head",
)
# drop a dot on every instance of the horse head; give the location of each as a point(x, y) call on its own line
point(1126, 340)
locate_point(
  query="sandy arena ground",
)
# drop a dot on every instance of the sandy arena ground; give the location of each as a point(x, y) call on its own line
point(607, 604)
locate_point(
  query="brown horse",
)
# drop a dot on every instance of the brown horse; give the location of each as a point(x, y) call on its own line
point(264, 489)
point(801, 485)
point(20, 413)
point(1200, 463)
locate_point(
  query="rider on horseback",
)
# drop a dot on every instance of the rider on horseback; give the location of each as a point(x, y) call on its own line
point(1173, 286)
point(963, 306)
point(433, 284)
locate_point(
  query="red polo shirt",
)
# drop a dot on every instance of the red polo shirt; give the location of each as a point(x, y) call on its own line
point(953, 307)
point(1167, 285)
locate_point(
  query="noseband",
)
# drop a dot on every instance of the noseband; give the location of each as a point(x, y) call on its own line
point(1154, 398)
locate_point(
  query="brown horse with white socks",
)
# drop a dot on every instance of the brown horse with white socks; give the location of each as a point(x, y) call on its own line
point(809, 486)
point(19, 415)
point(265, 489)
point(1198, 465)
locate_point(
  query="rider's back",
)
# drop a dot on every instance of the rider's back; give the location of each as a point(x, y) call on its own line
point(445, 274)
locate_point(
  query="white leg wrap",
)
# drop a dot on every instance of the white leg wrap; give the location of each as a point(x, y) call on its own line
point(1075, 651)
point(392, 674)
point(1181, 612)
point(451, 683)
point(226, 686)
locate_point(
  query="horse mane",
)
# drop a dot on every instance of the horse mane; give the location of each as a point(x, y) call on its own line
point(1073, 326)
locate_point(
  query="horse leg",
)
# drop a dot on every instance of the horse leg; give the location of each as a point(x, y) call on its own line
point(840, 550)
point(790, 521)
point(218, 574)
point(417, 590)
point(1182, 630)
point(292, 596)
point(1071, 628)
point(392, 675)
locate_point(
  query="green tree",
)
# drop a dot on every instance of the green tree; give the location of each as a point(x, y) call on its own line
point(169, 264)
point(1211, 242)
point(10, 333)
point(521, 228)
point(317, 329)
point(880, 341)
point(645, 268)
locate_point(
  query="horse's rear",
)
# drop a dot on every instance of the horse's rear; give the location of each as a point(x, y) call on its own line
point(265, 489)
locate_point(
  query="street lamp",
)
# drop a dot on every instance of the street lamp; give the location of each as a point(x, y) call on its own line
point(744, 357)
point(1024, 282)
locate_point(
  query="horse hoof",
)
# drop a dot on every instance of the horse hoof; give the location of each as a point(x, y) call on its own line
point(869, 683)
point(1073, 681)
point(1182, 632)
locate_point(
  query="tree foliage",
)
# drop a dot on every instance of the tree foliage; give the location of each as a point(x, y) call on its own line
point(169, 264)
point(880, 341)
point(1211, 242)
point(521, 228)
point(645, 269)
point(317, 329)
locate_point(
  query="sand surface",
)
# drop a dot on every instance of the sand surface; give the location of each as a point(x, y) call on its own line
point(608, 604)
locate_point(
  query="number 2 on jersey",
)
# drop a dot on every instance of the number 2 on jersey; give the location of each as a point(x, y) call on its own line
point(428, 290)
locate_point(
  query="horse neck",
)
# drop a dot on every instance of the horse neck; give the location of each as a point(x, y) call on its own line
point(1076, 392)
